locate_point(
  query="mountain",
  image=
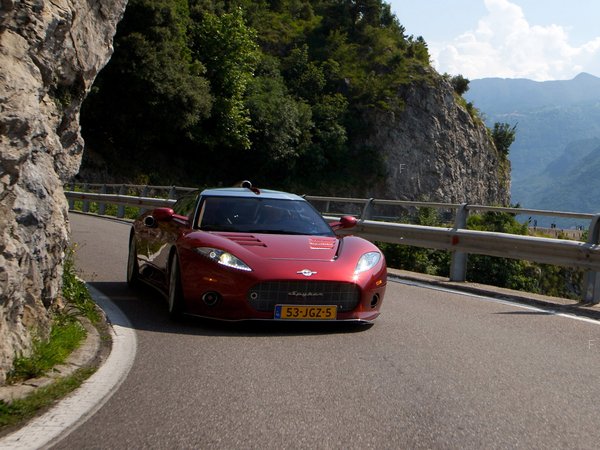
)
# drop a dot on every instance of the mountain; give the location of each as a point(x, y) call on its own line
point(570, 182)
point(503, 95)
point(557, 140)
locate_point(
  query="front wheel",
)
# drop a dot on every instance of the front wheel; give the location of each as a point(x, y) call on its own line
point(132, 264)
point(175, 292)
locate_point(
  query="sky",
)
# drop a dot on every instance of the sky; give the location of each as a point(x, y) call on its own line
point(535, 39)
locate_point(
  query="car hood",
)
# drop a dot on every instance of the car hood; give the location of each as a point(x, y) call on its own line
point(278, 246)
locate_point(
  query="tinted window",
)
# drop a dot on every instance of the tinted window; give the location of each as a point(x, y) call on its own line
point(261, 215)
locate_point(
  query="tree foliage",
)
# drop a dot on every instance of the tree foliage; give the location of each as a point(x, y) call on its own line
point(227, 48)
point(460, 84)
point(503, 136)
point(211, 92)
point(152, 76)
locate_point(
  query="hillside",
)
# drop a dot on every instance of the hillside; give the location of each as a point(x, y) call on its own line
point(570, 182)
point(311, 96)
point(558, 128)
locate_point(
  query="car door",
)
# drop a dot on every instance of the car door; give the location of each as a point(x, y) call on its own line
point(161, 232)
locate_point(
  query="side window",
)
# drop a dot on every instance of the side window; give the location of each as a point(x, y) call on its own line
point(186, 205)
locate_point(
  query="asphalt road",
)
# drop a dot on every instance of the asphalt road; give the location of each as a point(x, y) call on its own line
point(437, 370)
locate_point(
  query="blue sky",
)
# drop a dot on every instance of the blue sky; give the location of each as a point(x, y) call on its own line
point(536, 39)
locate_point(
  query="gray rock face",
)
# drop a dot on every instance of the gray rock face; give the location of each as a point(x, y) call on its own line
point(50, 54)
point(435, 151)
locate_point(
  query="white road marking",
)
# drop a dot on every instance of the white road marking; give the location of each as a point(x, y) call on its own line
point(53, 426)
point(549, 311)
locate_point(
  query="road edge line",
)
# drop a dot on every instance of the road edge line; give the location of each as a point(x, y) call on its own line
point(72, 411)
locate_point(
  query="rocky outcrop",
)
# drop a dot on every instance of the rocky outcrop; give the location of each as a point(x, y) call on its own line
point(433, 150)
point(50, 54)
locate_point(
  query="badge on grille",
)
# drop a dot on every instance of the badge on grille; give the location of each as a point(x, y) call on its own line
point(306, 272)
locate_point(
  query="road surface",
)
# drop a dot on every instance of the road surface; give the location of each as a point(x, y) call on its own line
point(437, 370)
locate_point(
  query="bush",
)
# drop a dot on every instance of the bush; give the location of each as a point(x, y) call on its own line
point(503, 136)
point(460, 84)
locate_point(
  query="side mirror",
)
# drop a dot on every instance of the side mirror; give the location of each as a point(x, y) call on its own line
point(159, 215)
point(348, 222)
point(344, 223)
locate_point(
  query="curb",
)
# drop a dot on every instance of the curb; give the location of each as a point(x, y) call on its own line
point(54, 425)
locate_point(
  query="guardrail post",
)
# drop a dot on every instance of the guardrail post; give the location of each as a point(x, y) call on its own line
point(72, 200)
point(86, 204)
point(102, 205)
point(591, 279)
point(144, 193)
point(366, 212)
point(458, 264)
point(121, 208)
point(173, 192)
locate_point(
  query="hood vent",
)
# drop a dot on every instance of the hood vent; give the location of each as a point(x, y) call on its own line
point(246, 240)
point(322, 243)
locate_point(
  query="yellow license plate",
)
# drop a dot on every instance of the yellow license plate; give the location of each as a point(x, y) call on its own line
point(305, 312)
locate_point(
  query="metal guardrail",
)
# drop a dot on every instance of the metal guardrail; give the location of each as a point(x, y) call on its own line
point(458, 240)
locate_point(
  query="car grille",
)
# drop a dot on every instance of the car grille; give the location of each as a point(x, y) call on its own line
point(264, 296)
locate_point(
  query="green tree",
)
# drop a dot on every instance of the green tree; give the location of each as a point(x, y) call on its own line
point(227, 48)
point(460, 84)
point(305, 77)
point(153, 93)
point(281, 123)
point(503, 136)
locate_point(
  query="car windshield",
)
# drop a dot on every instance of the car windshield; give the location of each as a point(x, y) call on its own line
point(261, 215)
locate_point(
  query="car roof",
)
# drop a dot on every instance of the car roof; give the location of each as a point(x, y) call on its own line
point(245, 192)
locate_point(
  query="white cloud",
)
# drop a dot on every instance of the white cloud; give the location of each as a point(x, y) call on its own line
point(504, 44)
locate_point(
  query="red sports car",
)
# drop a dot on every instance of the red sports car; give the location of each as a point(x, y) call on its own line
point(244, 253)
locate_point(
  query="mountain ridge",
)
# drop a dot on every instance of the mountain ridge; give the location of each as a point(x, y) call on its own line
point(495, 95)
point(557, 137)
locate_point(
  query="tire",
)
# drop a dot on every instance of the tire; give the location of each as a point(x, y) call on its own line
point(133, 270)
point(175, 296)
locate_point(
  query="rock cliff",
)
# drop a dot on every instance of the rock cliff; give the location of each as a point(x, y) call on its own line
point(433, 150)
point(50, 54)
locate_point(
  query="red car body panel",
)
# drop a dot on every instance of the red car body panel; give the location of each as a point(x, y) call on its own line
point(301, 266)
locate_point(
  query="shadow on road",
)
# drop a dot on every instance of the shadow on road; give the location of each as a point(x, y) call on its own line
point(147, 310)
point(526, 313)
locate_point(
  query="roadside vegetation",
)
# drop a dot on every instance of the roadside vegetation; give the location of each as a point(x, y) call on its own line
point(502, 272)
point(66, 334)
point(20, 410)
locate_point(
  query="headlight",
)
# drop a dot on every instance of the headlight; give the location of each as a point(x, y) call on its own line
point(223, 258)
point(367, 262)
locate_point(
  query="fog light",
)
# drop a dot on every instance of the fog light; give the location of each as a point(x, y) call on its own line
point(374, 300)
point(211, 298)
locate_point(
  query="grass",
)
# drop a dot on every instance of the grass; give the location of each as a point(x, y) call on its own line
point(66, 335)
point(75, 292)
point(14, 413)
